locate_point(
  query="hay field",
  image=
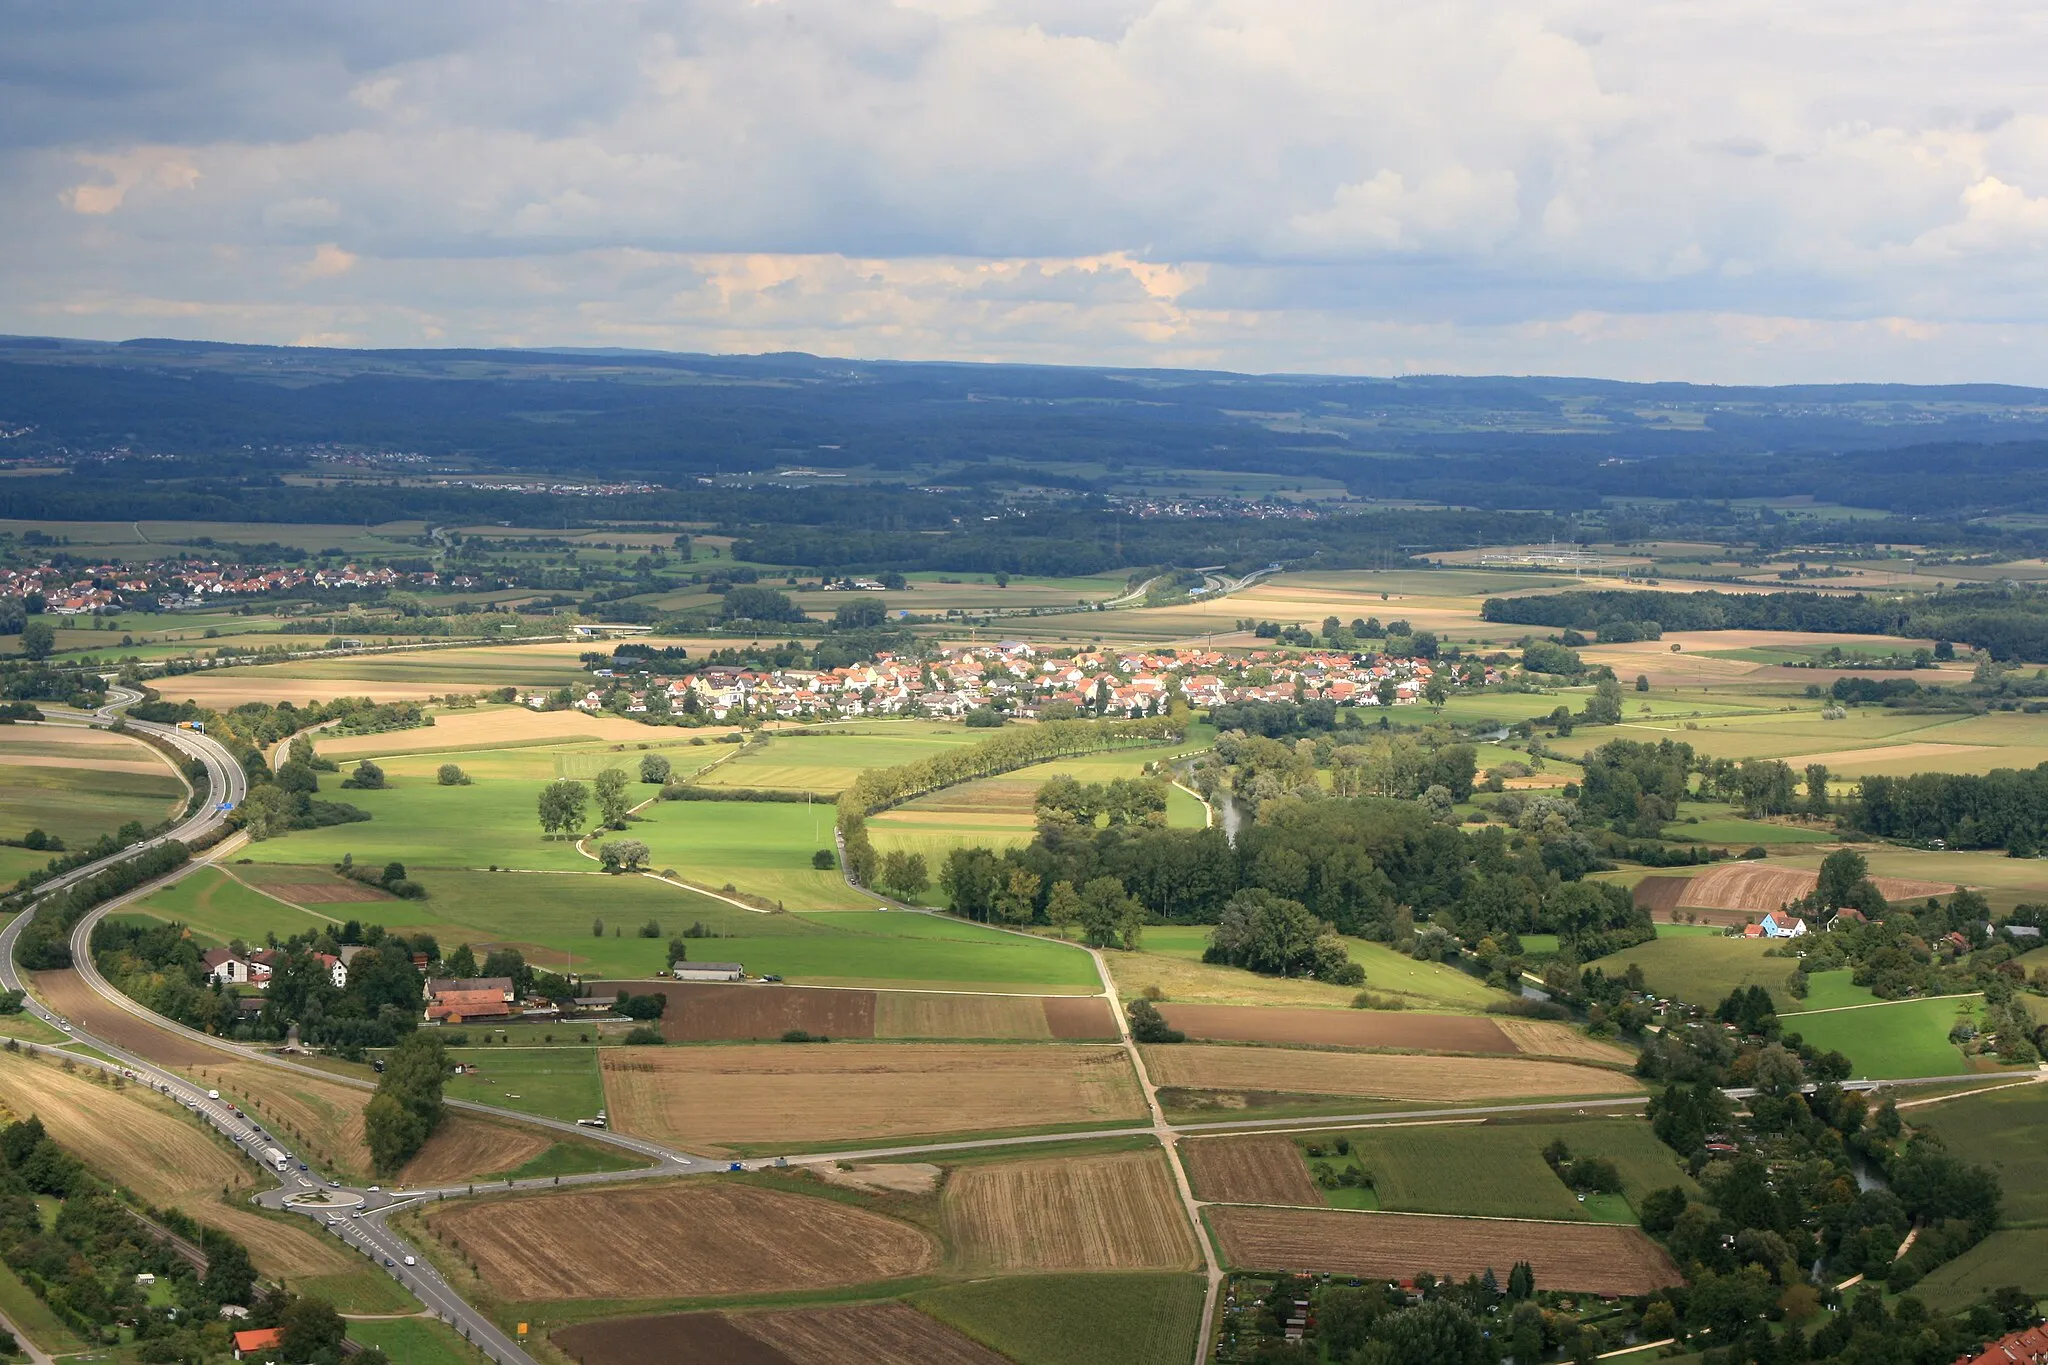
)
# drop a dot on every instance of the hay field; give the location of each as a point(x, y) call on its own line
point(1249, 1170)
point(1115, 1212)
point(693, 1239)
point(776, 1093)
point(464, 1147)
point(80, 784)
point(1702, 969)
point(1497, 1170)
point(1546, 1038)
point(1392, 1076)
point(910, 1014)
point(224, 691)
point(889, 1333)
point(1171, 958)
point(1341, 1028)
point(1586, 1257)
point(486, 727)
point(156, 1150)
point(830, 762)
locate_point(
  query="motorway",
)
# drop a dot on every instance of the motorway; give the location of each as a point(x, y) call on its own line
point(358, 1215)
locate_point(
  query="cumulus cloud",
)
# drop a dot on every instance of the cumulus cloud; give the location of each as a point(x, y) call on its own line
point(1738, 190)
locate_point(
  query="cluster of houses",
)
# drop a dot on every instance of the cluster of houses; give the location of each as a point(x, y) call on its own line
point(1023, 680)
point(177, 583)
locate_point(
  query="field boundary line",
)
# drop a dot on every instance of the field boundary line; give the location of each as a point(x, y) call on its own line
point(223, 867)
point(2011, 1084)
point(1880, 1004)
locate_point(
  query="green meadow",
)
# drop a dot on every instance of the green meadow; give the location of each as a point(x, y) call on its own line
point(1895, 1040)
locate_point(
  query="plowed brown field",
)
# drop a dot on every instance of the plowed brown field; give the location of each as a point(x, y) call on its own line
point(708, 1012)
point(697, 1238)
point(1340, 1028)
point(1592, 1258)
point(1249, 1170)
point(929, 1014)
point(1394, 1076)
point(1758, 887)
point(1116, 1212)
point(803, 1093)
point(164, 1156)
point(864, 1334)
point(1079, 1016)
point(1661, 895)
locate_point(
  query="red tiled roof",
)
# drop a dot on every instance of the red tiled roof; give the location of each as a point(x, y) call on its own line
point(2028, 1346)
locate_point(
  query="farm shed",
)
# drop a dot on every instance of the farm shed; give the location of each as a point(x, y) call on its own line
point(501, 986)
point(457, 1007)
point(708, 971)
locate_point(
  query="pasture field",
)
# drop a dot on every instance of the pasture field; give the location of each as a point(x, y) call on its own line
point(763, 848)
point(1249, 1170)
point(154, 1148)
point(1702, 969)
point(556, 1082)
point(1497, 1170)
point(795, 1093)
point(2010, 1256)
point(1076, 1319)
point(1391, 1076)
point(1170, 957)
point(416, 1341)
point(2003, 1131)
point(888, 1333)
point(830, 762)
point(220, 909)
point(79, 784)
point(1111, 1212)
point(1835, 990)
point(1894, 1040)
point(695, 1238)
point(1588, 1257)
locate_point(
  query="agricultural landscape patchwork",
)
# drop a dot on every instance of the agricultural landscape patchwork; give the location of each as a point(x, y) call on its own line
point(691, 933)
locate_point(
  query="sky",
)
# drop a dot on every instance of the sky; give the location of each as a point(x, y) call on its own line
point(1747, 191)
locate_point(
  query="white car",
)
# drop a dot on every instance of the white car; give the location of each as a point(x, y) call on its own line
point(410, 1261)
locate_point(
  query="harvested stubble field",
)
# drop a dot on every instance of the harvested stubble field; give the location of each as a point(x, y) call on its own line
point(1249, 1170)
point(487, 727)
point(464, 1147)
point(697, 1238)
point(1340, 1028)
point(862, 1334)
point(1548, 1038)
point(276, 683)
point(911, 1014)
point(69, 996)
point(1759, 887)
point(1078, 1017)
point(806, 1093)
point(1392, 1076)
point(1593, 1258)
point(1114, 1212)
point(157, 1151)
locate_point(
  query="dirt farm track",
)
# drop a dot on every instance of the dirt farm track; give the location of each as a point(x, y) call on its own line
point(866, 1334)
point(1591, 1257)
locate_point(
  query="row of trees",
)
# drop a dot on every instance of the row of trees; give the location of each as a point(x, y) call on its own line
point(406, 1109)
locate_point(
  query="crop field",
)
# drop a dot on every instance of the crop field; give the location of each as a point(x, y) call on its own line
point(1497, 1170)
point(905, 1014)
point(155, 1149)
point(65, 993)
point(1099, 1319)
point(471, 1147)
point(776, 1093)
point(830, 762)
point(1170, 958)
point(694, 1238)
point(1249, 1170)
point(1596, 1258)
point(1113, 1212)
point(492, 727)
point(1761, 887)
point(699, 1013)
point(471, 668)
point(80, 784)
point(1890, 1041)
point(216, 907)
point(221, 690)
point(2003, 1131)
point(1547, 1038)
point(416, 1341)
point(1397, 1030)
point(889, 1333)
point(1393, 1076)
point(2010, 1256)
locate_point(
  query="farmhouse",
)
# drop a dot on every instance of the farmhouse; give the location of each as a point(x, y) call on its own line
point(1845, 917)
point(2028, 1346)
point(708, 971)
point(1778, 924)
point(460, 1007)
point(251, 1345)
point(500, 986)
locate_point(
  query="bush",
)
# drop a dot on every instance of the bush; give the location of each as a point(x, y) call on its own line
point(645, 1035)
point(1366, 1000)
point(367, 777)
point(797, 1035)
point(451, 775)
point(824, 860)
point(1148, 1025)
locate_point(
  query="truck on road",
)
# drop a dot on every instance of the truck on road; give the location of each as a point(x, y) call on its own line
point(277, 1160)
